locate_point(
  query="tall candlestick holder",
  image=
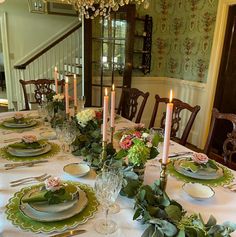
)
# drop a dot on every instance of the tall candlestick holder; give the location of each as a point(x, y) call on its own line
point(67, 116)
point(163, 177)
point(104, 150)
point(112, 134)
point(75, 109)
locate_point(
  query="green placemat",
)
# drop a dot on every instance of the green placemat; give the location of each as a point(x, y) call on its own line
point(227, 178)
point(25, 223)
point(20, 129)
point(55, 149)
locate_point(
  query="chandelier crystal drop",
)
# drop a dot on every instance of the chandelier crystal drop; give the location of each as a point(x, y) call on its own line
point(92, 8)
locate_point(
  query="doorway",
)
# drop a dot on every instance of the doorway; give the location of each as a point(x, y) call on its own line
point(225, 97)
point(6, 92)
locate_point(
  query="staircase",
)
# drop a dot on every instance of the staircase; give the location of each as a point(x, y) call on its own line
point(64, 52)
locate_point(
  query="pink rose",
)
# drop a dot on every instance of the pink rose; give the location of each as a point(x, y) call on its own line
point(137, 134)
point(18, 116)
point(200, 158)
point(29, 139)
point(52, 184)
point(126, 143)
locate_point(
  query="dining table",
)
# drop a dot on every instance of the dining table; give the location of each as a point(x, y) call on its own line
point(222, 205)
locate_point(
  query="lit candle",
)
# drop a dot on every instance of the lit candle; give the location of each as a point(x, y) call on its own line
point(105, 115)
point(169, 110)
point(56, 79)
point(67, 95)
point(75, 90)
point(113, 104)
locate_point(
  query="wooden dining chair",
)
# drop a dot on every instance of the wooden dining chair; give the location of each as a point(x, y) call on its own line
point(176, 117)
point(41, 87)
point(229, 145)
point(129, 105)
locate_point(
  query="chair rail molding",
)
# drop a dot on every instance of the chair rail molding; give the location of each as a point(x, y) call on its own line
point(8, 77)
point(215, 59)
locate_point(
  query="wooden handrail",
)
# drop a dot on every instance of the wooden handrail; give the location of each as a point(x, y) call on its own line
point(44, 50)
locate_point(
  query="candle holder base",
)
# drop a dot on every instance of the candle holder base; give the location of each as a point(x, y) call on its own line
point(104, 150)
point(163, 177)
point(112, 134)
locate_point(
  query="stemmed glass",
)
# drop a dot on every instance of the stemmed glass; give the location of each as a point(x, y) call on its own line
point(107, 187)
point(81, 102)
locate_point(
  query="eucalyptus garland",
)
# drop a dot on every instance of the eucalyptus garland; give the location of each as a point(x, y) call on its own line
point(166, 217)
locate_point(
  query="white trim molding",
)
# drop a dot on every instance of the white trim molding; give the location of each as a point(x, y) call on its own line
point(215, 60)
point(8, 77)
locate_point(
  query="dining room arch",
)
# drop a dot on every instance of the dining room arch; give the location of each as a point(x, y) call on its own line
point(215, 60)
point(4, 38)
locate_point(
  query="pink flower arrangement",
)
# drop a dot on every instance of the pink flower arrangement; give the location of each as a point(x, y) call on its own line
point(200, 158)
point(53, 184)
point(29, 139)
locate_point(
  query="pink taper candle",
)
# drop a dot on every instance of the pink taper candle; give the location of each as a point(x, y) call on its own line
point(75, 90)
point(113, 104)
point(67, 95)
point(169, 110)
point(56, 79)
point(105, 115)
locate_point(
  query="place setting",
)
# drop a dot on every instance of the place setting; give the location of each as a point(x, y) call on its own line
point(52, 206)
point(29, 148)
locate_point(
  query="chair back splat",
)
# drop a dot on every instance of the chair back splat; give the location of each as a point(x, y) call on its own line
point(229, 145)
point(129, 105)
point(41, 87)
point(176, 118)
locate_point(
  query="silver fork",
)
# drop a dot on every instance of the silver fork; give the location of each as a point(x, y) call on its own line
point(33, 177)
point(30, 180)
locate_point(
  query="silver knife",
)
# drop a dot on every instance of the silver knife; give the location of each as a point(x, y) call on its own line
point(25, 163)
point(69, 233)
point(180, 154)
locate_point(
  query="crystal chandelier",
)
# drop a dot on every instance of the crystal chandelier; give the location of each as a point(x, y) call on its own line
point(92, 8)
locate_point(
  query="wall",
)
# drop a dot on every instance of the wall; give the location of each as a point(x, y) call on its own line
point(27, 31)
point(182, 37)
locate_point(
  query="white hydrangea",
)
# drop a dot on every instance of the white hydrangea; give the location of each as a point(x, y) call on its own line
point(145, 135)
point(58, 97)
point(85, 116)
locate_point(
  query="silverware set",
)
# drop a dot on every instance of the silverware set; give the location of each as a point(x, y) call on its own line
point(27, 180)
point(21, 164)
point(176, 154)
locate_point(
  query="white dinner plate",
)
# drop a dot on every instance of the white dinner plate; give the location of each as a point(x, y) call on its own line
point(42, 216)
point(29, 152)
point(200, 174)
point(11, 124)
point(198, 191)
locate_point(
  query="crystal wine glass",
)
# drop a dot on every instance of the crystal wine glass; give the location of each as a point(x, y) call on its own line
point(107, 187)
point(81, 102)
point(69, 133)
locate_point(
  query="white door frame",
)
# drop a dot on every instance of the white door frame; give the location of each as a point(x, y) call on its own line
point(215, 60)
point(8, 77)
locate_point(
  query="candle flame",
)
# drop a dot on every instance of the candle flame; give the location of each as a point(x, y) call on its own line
point(171, 96)
point(113, 87)
point(106, 93)
point(66, 79)
point(55, 69)
point(74, 76)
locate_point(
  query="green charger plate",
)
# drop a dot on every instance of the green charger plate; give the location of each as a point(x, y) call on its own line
point(54, 150)
point(227, 178)
point(18, 219)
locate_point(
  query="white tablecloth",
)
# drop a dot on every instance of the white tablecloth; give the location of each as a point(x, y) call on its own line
point(222, 205)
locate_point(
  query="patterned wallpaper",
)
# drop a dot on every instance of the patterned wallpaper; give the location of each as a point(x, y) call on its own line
point(182, 37)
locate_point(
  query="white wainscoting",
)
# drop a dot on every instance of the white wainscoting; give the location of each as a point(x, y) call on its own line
point(193, 93)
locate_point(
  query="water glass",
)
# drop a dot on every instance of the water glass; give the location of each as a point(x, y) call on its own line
point(81, 102)
point(107, 187)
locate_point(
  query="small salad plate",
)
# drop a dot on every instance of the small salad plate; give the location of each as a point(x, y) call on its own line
point(198, 191)
point(77, 169)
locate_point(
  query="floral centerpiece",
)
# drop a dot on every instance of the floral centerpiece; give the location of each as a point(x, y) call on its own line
point(138, 146)
point(89, 139)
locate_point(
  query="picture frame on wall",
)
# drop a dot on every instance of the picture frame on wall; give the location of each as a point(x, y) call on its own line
point(61, 9)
